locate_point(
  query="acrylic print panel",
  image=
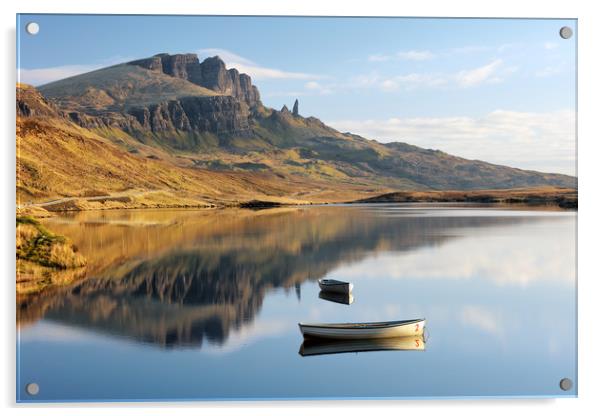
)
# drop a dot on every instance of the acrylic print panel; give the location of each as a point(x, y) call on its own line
point(191, 188)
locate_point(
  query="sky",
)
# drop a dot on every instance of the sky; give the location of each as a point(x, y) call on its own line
point(499, 90)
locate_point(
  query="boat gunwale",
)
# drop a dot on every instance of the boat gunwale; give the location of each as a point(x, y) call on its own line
point(363, 325)
point(331, 282)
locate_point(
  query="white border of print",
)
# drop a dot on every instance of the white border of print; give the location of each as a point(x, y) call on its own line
point(590, 31)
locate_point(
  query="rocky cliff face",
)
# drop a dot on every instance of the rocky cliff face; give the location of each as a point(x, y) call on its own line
point(211, 74)
point(30, 103)
point(219, 114)
point(216, 115)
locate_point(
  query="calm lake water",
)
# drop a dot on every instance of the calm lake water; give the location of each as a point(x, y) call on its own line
point(188, 304)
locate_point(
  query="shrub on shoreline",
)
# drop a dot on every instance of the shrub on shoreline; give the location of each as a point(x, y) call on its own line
point(35, 243)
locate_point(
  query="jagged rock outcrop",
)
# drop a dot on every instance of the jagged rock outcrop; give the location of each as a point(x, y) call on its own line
point(89, 122)
point(218, 114)
point(183, 66)
point(296, 108)
point(211, 74)
point(30, 103)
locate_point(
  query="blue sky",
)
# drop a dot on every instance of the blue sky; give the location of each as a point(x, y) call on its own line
point(499, 90)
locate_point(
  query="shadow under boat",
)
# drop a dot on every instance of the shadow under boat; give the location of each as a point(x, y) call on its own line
point(317, 346)
point(344, 298)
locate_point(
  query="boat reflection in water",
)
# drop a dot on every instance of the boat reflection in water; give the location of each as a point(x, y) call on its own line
point(318, 346)
point(344, 298)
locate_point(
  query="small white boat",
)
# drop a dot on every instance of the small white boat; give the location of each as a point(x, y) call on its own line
point(318, 346)
point(365, 330)
point(336, 286)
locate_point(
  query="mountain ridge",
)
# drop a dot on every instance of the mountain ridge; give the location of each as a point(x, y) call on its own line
point(212, 117)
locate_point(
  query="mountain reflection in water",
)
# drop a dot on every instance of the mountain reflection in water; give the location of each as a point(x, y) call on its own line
point(179, 278)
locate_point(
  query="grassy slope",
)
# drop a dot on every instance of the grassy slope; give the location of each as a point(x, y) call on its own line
point(57, 159)
point(308, 148)
point(303, 147)
point(119, 87)
point(398, 165)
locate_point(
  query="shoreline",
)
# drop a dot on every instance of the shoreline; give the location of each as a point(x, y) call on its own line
point(44, 258)
point(563, 198)
point(560, 197)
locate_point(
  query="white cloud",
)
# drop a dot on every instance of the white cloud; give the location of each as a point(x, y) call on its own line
point(504, 47)
point(317, 88)
point(416, 55)
point(476, 76)
point(493, 72)
point(468, 49)
point(310, 88)
point(540, 141)
point(413, 80)
point(249, 67)
point(389, 85)
point(548, 71)
point(403, 55)
point(379, 58)
point(423, 55)
point(312, 85)
point(364, 80)
point(550, 45)
point(42, 76)
point(287, 93)
point(490, 73)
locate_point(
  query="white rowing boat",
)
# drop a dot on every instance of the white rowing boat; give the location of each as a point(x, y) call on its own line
point(317, 346)
point(365, 330)
point(336, 286)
